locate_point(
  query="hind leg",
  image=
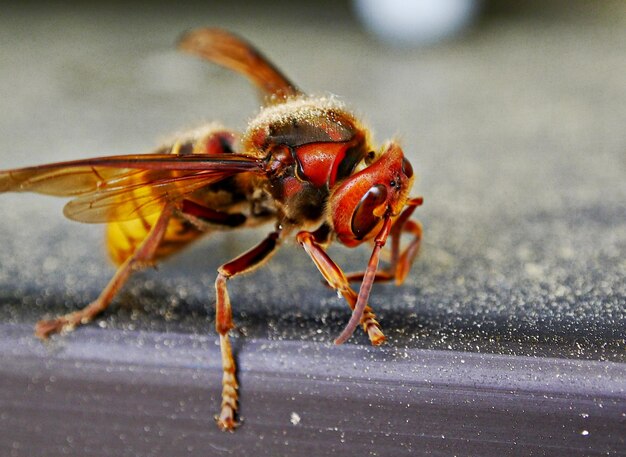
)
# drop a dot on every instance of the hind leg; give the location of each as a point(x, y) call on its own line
point(142, 256)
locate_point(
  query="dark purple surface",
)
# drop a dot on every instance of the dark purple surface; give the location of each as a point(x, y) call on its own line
point(107, 392)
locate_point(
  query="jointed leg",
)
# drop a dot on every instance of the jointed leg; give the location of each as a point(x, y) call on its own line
point(402, 265)
point(224, 323)
point(140, 258)
point(400, 262)
point(336, 279)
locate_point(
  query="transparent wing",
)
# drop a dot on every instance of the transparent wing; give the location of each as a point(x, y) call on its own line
point(125, 187)
point(232, 52)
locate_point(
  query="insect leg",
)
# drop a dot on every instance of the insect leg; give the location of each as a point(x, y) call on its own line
point(199, 214)
point(336, 279)
point(224, 323)
point(141, 257)
point(405, 260)
point(400, 262)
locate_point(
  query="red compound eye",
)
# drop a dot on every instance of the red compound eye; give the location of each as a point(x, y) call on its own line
point(407, 168)
point(364, 220)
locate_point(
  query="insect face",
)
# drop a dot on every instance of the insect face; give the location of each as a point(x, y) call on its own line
point(362, 201)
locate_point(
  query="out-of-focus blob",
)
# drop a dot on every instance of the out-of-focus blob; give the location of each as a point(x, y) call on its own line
point(407, 23)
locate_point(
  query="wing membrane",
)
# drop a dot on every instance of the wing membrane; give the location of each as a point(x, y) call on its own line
point(125, 187)
point(234, 53)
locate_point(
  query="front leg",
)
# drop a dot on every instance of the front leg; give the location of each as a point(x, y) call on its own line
point(336, 279)
point(400, 262)
point(248, 261)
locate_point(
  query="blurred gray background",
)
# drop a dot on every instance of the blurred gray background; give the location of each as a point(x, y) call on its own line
point(515, 128)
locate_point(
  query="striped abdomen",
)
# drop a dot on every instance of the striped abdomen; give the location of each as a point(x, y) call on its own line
point(124, 237)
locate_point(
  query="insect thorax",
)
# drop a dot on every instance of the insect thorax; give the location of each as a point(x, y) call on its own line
point(308, 144)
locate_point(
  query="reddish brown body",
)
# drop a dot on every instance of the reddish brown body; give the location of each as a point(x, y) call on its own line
point(304, 163)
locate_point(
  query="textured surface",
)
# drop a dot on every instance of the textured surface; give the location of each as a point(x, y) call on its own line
point(150, 394)
point(516, 132)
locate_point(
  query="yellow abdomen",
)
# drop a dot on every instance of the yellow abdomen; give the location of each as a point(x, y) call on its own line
point(124, 237)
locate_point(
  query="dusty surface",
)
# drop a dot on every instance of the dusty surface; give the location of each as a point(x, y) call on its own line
point(101, 393)
point(516, 132)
